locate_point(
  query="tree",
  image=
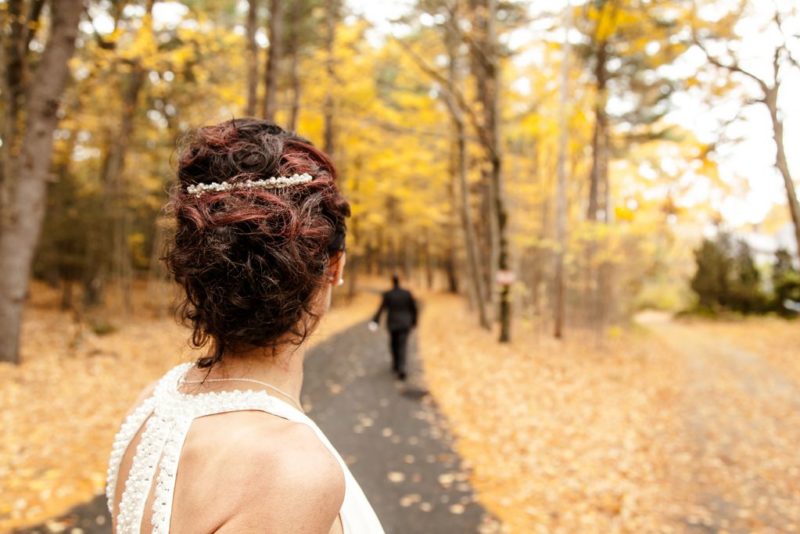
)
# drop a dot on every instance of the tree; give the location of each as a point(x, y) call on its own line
point(561, 185)
point(252, 57)
point(746, 295)
point(626, 44)
point(486, 49)
point(113, 171)
point(785, 283)
point(462, 112)
point(711, 279)
point(272, 72)
point(27, 162)
point(332, 13)
point(727, 277)
point(296, 17)
point(459, 169)
point(716, 39)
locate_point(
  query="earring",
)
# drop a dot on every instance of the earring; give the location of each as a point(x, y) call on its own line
point(340, 282)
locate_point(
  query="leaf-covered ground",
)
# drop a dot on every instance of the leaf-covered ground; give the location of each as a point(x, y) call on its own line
point(774, 339)
point(60, 408)
point(684, 428)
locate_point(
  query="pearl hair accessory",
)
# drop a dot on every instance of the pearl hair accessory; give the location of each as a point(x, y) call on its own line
point(275, 182)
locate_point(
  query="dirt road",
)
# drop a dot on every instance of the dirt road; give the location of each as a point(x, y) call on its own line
point(737, 467)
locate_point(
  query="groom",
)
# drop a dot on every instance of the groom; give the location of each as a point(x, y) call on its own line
point(401, 318)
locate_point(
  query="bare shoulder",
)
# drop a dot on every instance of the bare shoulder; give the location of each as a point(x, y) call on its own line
point(298, 457)
point(291, 483)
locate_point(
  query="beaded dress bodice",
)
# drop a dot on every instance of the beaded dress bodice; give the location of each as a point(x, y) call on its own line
point(167, 416)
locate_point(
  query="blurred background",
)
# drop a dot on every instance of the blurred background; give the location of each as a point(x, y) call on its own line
point(595, 201)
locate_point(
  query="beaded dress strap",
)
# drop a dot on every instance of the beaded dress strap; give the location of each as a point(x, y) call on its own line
point(187, 408)
point(130, 427)
point(146, 459)
point(122, 441)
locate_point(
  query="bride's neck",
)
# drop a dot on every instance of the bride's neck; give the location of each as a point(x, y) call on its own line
point(282, 369)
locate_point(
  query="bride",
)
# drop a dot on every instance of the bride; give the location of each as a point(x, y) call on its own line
point(222, 444)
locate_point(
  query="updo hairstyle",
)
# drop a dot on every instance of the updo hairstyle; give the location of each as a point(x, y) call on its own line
point(251, 260)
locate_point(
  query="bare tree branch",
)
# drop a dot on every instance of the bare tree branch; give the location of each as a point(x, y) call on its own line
point(790, 57)
point(33, 21)
point(473, 45)
point(457, 95)
point(730, 67)
point(776, 66)
point(785, 45)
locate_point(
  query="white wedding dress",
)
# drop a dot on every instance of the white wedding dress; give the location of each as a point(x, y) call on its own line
point(167, 415)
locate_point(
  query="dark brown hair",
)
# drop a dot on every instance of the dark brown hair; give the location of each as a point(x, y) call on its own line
point(250, 260)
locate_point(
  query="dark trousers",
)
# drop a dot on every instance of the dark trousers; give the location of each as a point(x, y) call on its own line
point(399, 340)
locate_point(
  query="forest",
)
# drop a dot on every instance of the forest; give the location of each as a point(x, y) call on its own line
point(482, 147)
point(559, 176)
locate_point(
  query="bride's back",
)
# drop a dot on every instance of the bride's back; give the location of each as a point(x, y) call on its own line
point(246, 462)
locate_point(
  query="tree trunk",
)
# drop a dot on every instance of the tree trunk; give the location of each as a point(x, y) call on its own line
point(597, 282)
point(272, 70)
point(14, 86)
point(67, 285)
point(114, 174)
point(294, 80)
point(450, 271)
point(470, 241)
point(252, 58)
point(409, 258)
point(24, 213)
point(354, 257)
point(430, 267)
point(486, 231)
point(380, 251)
point(780, 161)
point(599, 168)
point(460, 168)
point(295, 83)
point(490, 59)
point(561, 184)
point(329, 133)
point(157, 274)
point(450, 261)
point(116, 185)
point(15, 62)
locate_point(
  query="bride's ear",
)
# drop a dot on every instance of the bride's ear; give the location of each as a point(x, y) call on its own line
point(336, 268)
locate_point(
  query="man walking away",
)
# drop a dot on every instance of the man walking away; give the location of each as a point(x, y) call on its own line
point(401, 317)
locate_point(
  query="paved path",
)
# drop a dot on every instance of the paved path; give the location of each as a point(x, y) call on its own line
point(390, 434)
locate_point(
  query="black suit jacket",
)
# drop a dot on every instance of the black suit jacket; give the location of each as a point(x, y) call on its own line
point(401, 310)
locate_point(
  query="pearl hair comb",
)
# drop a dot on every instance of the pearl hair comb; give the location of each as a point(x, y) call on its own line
point(276, 182)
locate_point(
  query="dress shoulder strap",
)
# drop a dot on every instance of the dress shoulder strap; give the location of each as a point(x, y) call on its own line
point(178, 410)
point(128, 430)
